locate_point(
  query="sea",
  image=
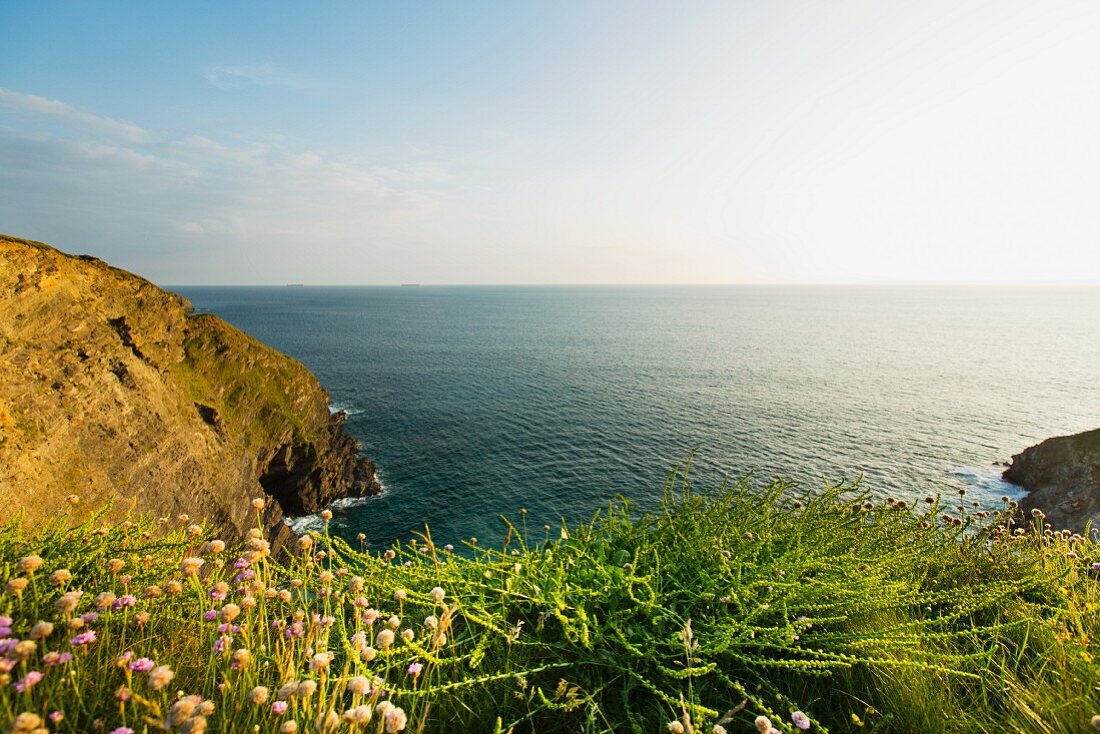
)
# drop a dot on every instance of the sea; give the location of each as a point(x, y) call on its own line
point(477, 402)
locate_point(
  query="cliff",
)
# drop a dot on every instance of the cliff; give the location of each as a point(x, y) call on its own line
point(1062, 475)
point(114, 390)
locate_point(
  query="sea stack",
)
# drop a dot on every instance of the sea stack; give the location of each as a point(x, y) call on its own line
point(1062, 476)
point(115, 391)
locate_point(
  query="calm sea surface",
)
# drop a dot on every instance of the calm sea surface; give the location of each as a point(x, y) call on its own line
point(476, 401)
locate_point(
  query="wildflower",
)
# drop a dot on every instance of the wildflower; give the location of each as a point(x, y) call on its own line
point(394, 622)
point(320, 661)
point(28, 681)
point(395, 720)
point(126, 600)
point(675, 727)
point(326, 515)
point(115, 566)
point(142, 665)
point(122, 693)
point(52, 659)
point(258, 695)
point(191, 565)
point(415, 668)
point(84, 638)
point(210, 615)
point(400, 595)
point(230, 612)
point(385, 638)
point(359, 686)
point(389, 555)
point(439, 640)
point(29, 564)
point(215, 546)
point(258, 503)
point(326, 578)
point(218, 591)
point(358, 716)
point(362, 537)
point(287, 690)
point(431, 622)
point(288, 727)
point(371, 616)
point(306, 689)
point(122, 730)
point(763, 724)
point(1095, 721)
point(450, 547)
point(16, 586)
point(160, 676)
point(800, 720)
point(41, 631)
point(173, 587)
point(437, 595)
point(60, 577)
point(55, 717)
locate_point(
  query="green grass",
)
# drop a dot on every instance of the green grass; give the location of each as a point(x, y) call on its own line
point(712, 610)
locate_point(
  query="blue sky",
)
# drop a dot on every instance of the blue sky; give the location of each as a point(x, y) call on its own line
point(617, 142)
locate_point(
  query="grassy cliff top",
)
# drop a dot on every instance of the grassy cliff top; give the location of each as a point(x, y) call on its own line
point(741, 609)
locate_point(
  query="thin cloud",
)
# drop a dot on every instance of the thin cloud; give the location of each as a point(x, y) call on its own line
point(32, 105)
point(262, 75)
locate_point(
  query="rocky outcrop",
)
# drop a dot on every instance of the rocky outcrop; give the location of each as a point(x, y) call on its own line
point(114, 390)
point(1062, 475)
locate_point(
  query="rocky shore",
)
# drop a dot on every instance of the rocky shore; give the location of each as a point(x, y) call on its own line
point(115, 391)
point(1062, 476)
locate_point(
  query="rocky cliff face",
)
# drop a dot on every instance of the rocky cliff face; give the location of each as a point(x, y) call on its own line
point(113, 390)
point(1062, 475)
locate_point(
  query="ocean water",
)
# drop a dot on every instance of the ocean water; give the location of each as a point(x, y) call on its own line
point(477, 401)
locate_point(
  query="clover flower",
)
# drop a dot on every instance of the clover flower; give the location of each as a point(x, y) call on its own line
point(801, 720)
point(437, 594)
point(320, 662)
point(414, 669)
point(258, 695)
point(385, 638)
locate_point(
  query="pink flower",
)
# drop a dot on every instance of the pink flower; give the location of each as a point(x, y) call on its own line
point(55, 716)
point(415, 668)
point(278, 708)
point(142, 665)
point(83, 638)
point(126, 600)
point(210, 615)
point(28, 681)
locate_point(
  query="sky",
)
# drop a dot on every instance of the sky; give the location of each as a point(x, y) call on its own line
point(557, 142)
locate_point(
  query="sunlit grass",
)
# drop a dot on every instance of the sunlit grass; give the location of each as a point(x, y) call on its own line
point(743, 608)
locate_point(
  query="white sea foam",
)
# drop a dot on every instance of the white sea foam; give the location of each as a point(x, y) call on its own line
point(346, 407)
point(986, 482)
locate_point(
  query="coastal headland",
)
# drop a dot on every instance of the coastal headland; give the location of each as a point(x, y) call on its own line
point(115, 391)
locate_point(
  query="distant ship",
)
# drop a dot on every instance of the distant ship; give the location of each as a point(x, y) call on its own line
point(410, 285)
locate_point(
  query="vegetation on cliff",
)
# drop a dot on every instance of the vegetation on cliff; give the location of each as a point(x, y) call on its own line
point(114, 389)
point(739, 609)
